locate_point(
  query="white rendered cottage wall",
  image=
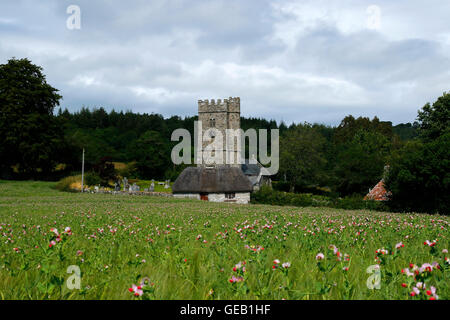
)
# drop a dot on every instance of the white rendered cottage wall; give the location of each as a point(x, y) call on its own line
point(240, 197)
point(216, 197)
point(243, 197)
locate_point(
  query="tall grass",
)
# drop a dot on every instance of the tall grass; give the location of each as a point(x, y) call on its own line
point(188, 248)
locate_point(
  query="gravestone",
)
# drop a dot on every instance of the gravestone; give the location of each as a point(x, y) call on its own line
point(167, 184)
point(96, 188)
point(126, 186)
point(152, 186)
point(117, 185)
point(135, 187)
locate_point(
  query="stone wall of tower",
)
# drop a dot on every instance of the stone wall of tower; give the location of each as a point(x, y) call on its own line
point(222, 115)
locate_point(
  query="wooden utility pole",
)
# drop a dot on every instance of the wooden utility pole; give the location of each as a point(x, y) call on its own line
point(82, 173)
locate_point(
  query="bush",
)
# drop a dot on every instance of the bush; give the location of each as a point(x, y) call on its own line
point(129, 171)
point(266, 195)
point(300, 188)
point(356, 202)
point(105, 171)
point(92, 179)
point(70, 183)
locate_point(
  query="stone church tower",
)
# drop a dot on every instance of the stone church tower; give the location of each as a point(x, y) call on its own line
point(211, 181)
point(221, 115)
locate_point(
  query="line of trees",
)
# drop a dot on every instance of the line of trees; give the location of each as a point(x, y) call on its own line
point(39, 142)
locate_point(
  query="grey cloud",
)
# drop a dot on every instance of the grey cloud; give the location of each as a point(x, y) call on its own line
point(161, 56)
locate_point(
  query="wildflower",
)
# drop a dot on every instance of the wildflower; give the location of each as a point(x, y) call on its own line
point(404, 285)
point(52, 243)
point(399, 245)
point(335, 249)
point(276, 261)
point(430, 243)
point(381, 251)
point(432, 293)
point(137, 290)
point(79, 253)
point(345, 269)
point(286, 265)
point(320, 256)
point(426, 267)
point(444, 251)
point(234, 279)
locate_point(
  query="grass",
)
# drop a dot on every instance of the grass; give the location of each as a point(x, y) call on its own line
point(188, 248)
point(158, 187)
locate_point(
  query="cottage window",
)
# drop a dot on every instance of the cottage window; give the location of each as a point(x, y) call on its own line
point(230, 196)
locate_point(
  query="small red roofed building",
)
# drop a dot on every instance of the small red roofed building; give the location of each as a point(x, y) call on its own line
point(378, 193)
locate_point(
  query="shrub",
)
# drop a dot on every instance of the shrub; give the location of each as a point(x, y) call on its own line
point(105, 171)
point(129, 170)
point(70, 183)
point(267, 195)
point(92, 179)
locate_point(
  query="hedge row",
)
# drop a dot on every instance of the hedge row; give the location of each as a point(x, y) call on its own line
point(273, 197)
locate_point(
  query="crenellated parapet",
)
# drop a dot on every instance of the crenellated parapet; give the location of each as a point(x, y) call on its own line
point(234, 104)
point(226, 105)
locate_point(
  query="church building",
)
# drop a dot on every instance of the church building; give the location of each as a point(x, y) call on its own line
point(212, 180)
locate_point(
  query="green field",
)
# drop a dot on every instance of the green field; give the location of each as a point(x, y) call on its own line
point(187, 249)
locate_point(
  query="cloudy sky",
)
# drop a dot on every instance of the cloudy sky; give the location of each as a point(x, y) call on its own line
point(314, 61)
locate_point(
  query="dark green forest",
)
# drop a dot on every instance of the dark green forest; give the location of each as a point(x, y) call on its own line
point(43, 140)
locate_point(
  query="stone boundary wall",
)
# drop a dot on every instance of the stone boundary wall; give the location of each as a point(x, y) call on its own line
point(134, 193)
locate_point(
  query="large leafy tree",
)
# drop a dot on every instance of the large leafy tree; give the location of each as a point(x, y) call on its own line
point(152, 155)
point(419, 177)
point(360, 151)
point(434, 120)
point(105, 171)
point(360, 162)
point(29, 134)
point(349, 126)
point(302, 155)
